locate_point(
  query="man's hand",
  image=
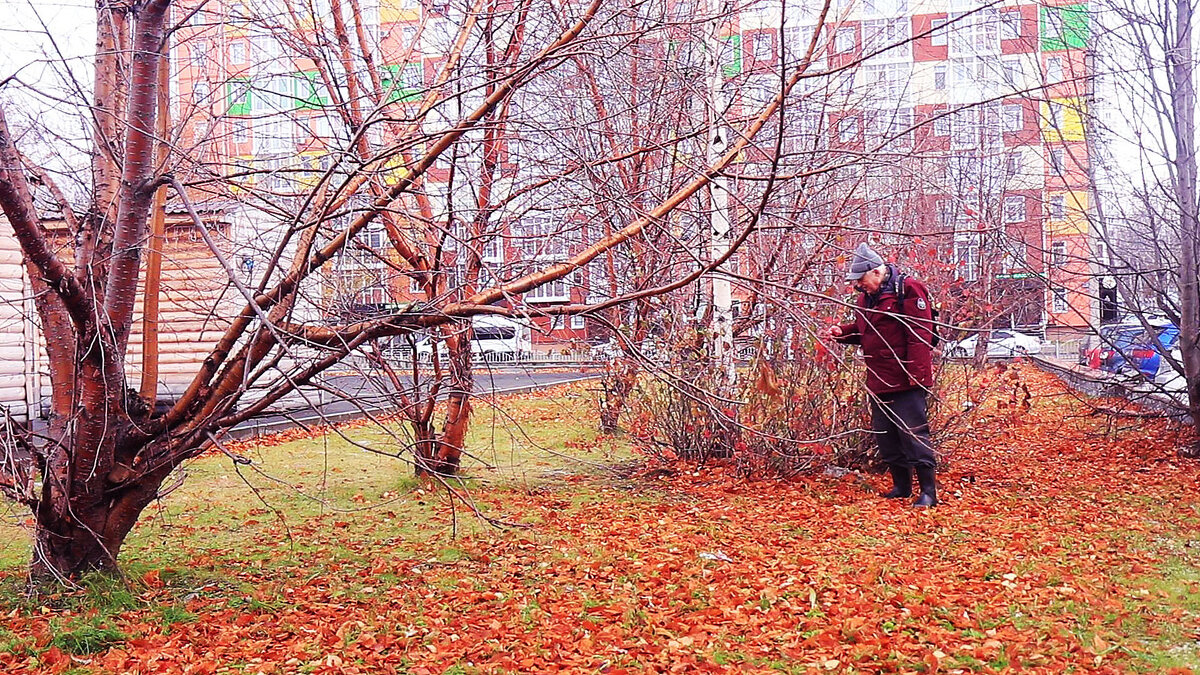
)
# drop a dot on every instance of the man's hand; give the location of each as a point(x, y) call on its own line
point(834, 331)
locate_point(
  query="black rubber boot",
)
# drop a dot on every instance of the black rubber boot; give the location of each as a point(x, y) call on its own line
point(901, 482)
point(927, 478)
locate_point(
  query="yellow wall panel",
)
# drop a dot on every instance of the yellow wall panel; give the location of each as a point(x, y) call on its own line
point(1075, 220)
point(1062, 120)
point(393, 11)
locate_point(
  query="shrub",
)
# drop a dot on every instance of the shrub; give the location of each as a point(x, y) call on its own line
point(781, 418)
point(785, 417)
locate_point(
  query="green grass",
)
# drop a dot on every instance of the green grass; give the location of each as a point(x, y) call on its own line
point(333, 489)
point(313, 505)
point(86, 638)
point(325, 517)
point(21, 645)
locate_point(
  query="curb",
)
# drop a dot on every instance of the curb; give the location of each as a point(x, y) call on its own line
point(1101, 383)
point(252, 429)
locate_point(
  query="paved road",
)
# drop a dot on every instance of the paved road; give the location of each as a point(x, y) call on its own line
point(349, 396)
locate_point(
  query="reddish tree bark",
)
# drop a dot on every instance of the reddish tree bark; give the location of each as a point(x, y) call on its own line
point(108, 452)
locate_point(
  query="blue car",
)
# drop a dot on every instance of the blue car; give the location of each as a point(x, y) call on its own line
point(1146, 355)
point(1097, 351)
point(1119, 345)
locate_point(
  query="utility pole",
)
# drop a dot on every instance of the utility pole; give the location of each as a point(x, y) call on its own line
point(154, 251)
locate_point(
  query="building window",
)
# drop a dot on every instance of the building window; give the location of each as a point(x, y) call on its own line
point(554, 291)
point(1010, 25)
point(885, 7)
point(966, 255)
point(1012, 116)
point(241, 130)
point(239, 97)
point(200, 55)
point(1058, 207)
point(1056, 161)
point(1053, 27)
point(1014, 163)
point(556, 322)
point(200, 93)
point(273, 135)
point(763, 45)
point(975, 33)
point(1014, 259)
point(1014, 74)
point(578, 322)
point(320, 127)
point(373, 237)
point(403, 82)
point(937, 35)
point(887, 80)
point(237, 52)
point(845, 40)
point(373, 295)
point(1014, 209)
point(264, 48)
point(1058, 254)
point(1056, 114)
point(892, 34)
point(541, 237)
point(964, 129)
point(899, 127)
point(797, 39)
point(973, 72)
point(1059, 302)
point(848, 129)
point(493, 251)
point(941, 125)
point(939, 77)
point(1054, 69)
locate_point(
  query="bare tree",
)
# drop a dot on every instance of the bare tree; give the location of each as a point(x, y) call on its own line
point(1145, 126)
point(391, 144)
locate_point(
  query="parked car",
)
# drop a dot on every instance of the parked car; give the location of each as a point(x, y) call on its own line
point(1097, 352)
point(499, 338)
point(1146, 352)
point(496, 338)
point(607, 351)
point(1167, 377)
point(1000, 344)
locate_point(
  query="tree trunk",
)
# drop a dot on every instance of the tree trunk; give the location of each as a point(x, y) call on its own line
point(442, 457)
point(1183, 103)
point(83, 531)
point(617, 384)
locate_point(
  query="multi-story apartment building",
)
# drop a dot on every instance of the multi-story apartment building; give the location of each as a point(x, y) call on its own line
point(970, 119)
point(956, 120)
point(270, 115)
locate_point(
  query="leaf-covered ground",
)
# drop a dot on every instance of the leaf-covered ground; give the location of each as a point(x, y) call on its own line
point(1066, 542)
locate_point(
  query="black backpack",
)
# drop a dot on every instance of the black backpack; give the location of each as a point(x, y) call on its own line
point(933, 310)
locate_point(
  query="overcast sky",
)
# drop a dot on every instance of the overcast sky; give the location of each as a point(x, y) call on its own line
point(42, 41)
point(29, 48)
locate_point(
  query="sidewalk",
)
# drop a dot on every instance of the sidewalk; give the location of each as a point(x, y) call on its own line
point(1102, 383)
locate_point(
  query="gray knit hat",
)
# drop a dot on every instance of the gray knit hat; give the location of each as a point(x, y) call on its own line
point(864, 261)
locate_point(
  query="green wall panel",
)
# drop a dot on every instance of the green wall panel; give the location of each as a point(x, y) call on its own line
point(1065, 27)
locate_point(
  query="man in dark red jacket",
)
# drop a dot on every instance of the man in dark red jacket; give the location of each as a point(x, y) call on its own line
point(894, 327)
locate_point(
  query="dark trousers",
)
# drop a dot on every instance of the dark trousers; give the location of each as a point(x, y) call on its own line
point(901, 425)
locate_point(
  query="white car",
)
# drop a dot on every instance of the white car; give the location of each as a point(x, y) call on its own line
point(1167, 377)
point(607, 351)
point(495, 338)
point(1002, 344)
